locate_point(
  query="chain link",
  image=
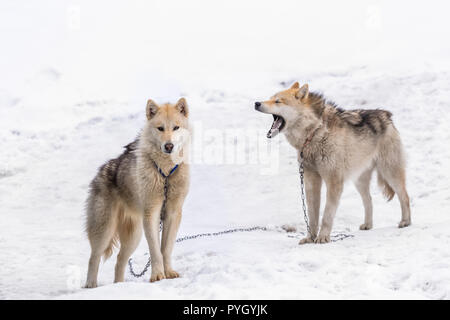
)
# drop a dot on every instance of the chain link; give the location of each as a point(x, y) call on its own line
point(138, 275)
point(214, 234)
point(302, 188)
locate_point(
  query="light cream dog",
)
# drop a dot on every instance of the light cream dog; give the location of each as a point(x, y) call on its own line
point(127, 195)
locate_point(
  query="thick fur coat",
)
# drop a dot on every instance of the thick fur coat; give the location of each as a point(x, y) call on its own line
point(338, 145)
point(127, 194)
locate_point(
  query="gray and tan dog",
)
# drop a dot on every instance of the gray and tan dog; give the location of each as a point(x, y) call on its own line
point(127, 195)
point(337, 145)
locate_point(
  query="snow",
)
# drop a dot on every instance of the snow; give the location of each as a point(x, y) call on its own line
point(75, 81)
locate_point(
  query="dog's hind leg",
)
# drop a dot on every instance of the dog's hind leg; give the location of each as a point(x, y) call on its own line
point(392, 174)
point(363, 187)
point(395, 177)
point(400, 189)
point(130, 233)
point(101, 228)
point(313, 185)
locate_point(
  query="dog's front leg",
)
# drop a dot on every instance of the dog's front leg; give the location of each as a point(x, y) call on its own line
point(313, 185)
point(171, 224)
point(335, 185)
point(152, 218)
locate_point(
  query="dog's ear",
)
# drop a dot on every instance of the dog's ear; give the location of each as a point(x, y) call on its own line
point(302, 92)
point(182, 107)
point(295, 85)
point(152, 109)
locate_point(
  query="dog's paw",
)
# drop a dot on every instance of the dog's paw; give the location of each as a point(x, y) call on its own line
point(90, 284)
point(306, 240)
point(322, 238)
point(404, 223)
point(365, 226)
point(156, 276)
point(171, 274)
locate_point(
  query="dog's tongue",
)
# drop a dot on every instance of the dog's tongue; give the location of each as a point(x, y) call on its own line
point(277, 122)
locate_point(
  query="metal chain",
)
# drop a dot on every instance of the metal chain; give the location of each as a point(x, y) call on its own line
point(336, 237)
point(199, 235)
point(302, 188)
point(138, 275)
point(163, 207)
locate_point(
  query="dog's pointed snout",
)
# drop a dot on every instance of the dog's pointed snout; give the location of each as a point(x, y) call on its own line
point(168, 147)
point(257, 105)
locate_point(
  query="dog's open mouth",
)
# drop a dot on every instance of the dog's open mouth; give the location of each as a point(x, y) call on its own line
point(277, 125)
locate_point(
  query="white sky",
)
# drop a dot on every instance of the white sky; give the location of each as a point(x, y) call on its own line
point(104, 41)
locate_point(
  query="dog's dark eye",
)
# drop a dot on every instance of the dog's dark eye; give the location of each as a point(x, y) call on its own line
point(277, 101)
point(161, 128)
point(176, 128)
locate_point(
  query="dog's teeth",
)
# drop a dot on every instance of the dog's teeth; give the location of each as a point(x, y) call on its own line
point(275, 128)
point(272, 133)
point(277, 123)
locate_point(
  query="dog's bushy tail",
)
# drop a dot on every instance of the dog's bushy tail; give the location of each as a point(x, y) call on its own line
point(386, 189)
point(114, 243)
point(101, 224)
